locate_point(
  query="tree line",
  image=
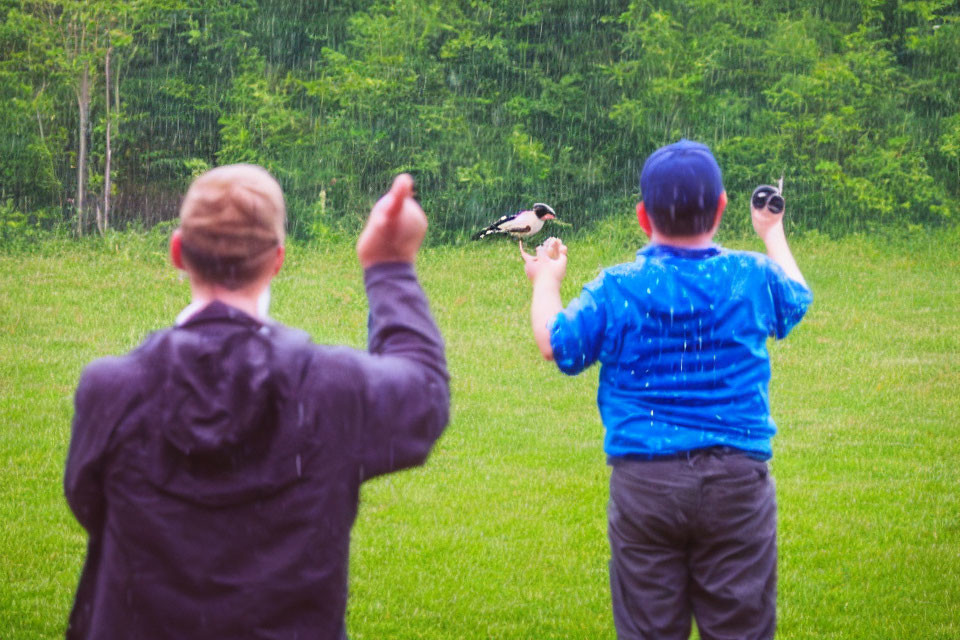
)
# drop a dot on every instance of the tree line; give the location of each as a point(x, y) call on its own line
point(111, 107)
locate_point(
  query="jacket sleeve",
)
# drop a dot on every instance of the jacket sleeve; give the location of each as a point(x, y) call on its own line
point(82, 481)
point(407, 392)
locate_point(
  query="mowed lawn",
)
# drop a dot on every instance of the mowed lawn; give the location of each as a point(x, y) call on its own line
point(503, 533)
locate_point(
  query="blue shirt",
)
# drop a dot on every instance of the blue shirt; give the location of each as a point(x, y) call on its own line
point(681, 337)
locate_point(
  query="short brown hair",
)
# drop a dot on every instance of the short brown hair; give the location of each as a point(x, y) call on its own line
point(231, 219)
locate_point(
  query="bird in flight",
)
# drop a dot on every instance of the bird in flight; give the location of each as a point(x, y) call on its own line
point(520, 225)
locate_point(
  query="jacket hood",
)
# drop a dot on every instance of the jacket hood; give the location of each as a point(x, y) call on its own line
point(220, 391)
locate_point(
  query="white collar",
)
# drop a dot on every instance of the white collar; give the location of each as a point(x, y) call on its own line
point(263, 308)
point(188, 312)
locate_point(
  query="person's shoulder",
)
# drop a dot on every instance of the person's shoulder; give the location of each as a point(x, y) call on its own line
point(101, 371)
point(745, 263)
point(597, 285)
point(635, 273)
point(287, 336)
point(114, 373)
point(617, 272)
point(296, 349)
point(745, 257)
point(293, 339)
point(760, 262)
point(623, 268)
point(766, 276)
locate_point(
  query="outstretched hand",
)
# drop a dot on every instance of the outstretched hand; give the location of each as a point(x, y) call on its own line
point(769, 226)
point(550, 262)
point(546, 271)
point(395, 228)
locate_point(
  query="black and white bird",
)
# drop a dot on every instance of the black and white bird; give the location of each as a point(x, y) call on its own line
point(521, 224)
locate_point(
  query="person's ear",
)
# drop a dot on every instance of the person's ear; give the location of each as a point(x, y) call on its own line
point(721, 205)
point(643, 219)
point(278, 260)
point(176, 250)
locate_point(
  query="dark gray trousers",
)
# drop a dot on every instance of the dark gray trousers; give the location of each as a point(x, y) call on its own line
point(693, 536)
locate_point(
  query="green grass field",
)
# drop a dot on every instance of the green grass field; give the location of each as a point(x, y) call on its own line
point(503, 533)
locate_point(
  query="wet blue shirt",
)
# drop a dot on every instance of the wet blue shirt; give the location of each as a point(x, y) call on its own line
point(681, 337)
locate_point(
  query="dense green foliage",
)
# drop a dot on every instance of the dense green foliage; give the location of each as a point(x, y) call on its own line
point(490, 103)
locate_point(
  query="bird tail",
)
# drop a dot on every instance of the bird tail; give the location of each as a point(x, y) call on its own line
point(489, 231)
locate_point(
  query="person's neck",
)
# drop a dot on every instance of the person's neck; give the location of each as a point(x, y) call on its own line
point(244, 299)
point(699, 241)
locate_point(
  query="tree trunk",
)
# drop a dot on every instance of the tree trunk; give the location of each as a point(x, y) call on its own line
point(83, 102)
point(107, 154)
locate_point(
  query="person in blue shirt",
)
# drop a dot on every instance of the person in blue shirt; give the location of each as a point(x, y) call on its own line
point(681, 337)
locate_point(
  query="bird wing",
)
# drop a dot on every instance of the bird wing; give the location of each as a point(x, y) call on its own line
point(519, 223)
point(504, 219)
point(516, 226)
point(526, 224)
point(497, 227)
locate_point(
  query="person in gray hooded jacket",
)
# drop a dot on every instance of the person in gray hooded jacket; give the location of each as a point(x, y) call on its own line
point(217, 467)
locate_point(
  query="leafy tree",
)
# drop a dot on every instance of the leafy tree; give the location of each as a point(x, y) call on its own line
point(492, 104)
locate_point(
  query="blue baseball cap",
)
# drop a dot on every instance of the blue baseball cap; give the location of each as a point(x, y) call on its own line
point(680, 180)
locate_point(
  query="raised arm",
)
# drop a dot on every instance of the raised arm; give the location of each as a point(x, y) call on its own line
point(395, 228)
point(769, 226)
point(407, 390)
point(546, 272)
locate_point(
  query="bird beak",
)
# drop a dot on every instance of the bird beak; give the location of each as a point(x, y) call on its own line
point(549, 216)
